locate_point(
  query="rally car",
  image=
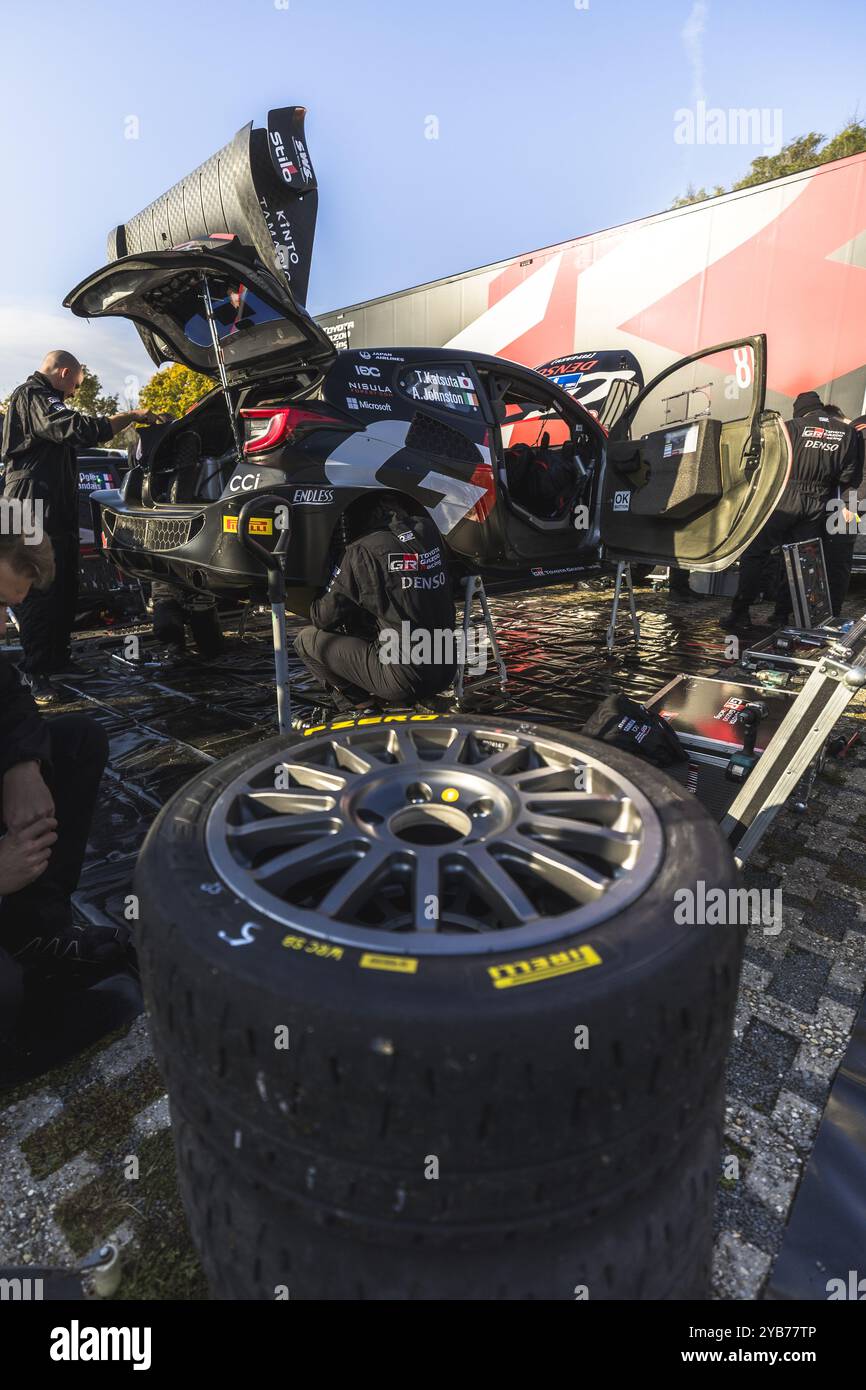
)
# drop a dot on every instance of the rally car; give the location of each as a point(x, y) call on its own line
point(522, 481)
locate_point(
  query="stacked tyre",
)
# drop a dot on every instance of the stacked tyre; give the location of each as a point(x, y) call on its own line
point(429, 1019)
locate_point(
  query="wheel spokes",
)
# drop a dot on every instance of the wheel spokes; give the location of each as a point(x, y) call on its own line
point(577, 880)
point(614, 846)
point(303, 861)
point(355, 886)
point(282, 830)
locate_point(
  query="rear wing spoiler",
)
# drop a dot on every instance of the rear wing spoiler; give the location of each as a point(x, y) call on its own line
point(260, 187)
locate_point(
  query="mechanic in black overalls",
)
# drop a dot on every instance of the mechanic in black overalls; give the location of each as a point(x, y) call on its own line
point(826, 458)
point(40, 436)
point(391, 585)
point(844, 529)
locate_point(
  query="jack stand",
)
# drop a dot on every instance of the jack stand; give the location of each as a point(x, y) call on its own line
point(623, 571)
point(474, 588)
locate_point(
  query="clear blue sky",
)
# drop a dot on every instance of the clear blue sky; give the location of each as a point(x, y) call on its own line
point(554, 121)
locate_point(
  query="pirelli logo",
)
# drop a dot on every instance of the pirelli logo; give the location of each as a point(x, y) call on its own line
point(529, 972)
point(259, 525)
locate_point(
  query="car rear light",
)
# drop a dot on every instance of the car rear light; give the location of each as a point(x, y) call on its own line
point(483, 477)
point(268, 426)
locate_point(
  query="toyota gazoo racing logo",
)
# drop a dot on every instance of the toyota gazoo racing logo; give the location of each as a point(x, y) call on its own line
point(410, 561)
point(416, 569)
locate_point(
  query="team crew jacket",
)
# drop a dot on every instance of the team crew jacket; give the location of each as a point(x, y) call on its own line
point(40, 436)
point(827, 454)
point(23, 733)
point(396, 574)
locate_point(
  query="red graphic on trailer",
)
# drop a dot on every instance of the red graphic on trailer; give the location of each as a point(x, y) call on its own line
point(800, 278)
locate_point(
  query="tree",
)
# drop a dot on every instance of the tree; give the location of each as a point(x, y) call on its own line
point(89, 398)
point(174, 390)
point(804, 152)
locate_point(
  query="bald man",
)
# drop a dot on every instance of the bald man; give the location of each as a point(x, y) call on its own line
point(40, 436)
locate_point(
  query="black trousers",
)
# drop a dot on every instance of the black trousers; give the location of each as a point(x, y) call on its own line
point(79, 750)
point(355, 668)
point(45, 619)
point(799, 517)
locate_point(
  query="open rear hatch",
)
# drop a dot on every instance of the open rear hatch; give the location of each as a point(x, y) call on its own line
point(257, 326)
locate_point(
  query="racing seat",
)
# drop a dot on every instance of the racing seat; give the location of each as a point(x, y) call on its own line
point(542, 480)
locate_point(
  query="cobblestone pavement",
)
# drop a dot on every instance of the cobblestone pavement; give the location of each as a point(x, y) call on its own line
point(87, 1149)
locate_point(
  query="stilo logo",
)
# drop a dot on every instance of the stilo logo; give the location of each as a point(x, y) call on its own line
point(287, 168)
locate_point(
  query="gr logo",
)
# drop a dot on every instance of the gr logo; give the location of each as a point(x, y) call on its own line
point(621, 501)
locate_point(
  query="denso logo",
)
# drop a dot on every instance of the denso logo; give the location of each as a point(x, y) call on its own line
point(421, 581)
point(246, 482)
point(287, 168)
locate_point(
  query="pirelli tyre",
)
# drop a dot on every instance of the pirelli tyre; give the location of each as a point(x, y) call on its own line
point(438, 1017)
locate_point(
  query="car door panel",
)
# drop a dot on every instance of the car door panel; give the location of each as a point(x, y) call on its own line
point(696, 464)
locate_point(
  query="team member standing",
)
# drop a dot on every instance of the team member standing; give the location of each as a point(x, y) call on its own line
point(826, 457)
point(839, 543)
point(392, 582)
point(41, 433)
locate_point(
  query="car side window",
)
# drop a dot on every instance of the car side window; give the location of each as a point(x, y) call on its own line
point(441, 387)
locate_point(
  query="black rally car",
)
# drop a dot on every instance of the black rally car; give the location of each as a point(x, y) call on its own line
point(522, 482)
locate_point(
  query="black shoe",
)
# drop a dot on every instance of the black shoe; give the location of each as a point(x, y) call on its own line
point(43, 692)
point(324, 714)
point(51, 944)
point(311, 719)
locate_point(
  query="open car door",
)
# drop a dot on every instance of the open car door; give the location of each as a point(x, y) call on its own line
point(695, 464)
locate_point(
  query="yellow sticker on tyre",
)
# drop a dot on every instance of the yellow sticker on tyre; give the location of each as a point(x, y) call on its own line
point(400, 965)
point(371, 719)
point(529, 972)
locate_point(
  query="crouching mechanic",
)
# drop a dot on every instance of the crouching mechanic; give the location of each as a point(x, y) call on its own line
point(49, 774)
point(391, 587)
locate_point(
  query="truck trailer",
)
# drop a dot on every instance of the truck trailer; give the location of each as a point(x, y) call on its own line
point(786, 258)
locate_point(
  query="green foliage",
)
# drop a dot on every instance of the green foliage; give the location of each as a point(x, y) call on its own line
point(174, 390)
point(89, 398)
point(804, 152)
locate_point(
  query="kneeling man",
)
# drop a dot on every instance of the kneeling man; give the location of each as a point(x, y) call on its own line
point(382, 633)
